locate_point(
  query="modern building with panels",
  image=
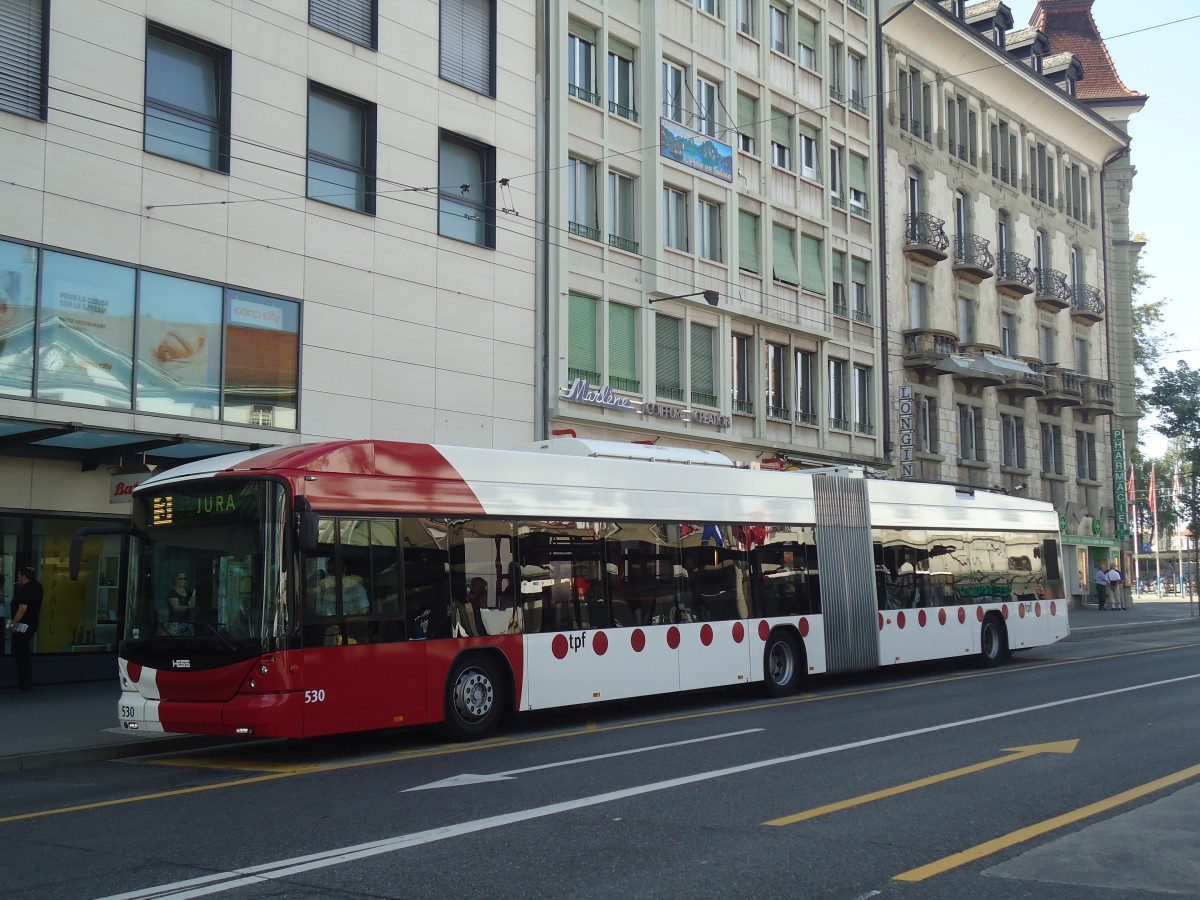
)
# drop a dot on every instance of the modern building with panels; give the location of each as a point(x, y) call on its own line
point(233, 225)
point(712, 257)
point(1000, 254)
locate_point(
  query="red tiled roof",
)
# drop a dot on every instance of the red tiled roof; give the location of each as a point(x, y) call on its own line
point(1070, 27)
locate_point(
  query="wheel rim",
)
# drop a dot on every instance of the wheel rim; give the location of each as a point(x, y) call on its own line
point(474, 695)
point(782, 663)
point(991, 640)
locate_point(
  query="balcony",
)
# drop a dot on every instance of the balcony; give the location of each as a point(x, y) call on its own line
point(620, 243)
point(1051, 291)
point(1062, 389)
point(1097, 397)
point(1021, 379)
point(1087, 306)
point(584, 231)
point(1014, 276)
point(925, 239)
point(924, 350)
point(973, 261)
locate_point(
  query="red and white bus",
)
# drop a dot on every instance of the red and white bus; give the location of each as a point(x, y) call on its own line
point(359, 585)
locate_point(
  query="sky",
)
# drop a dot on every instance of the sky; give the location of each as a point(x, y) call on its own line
point(1150, 42)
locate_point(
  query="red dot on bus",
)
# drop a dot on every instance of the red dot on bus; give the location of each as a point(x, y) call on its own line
point(1004, 610)
point(638, 640)
point(881, 621)
point(600, 643)
point(559, 646)
point(739, 632)
point(1020, 610)
point(804, 628)
point(921, 618)
point(900, 619)
point(134, 671)
point(942, 616)
point(706, 635)
point(764, 631)
point(1037, 609)
point(1053, 608)
point(962, 616)
point(673, 637)
point(979, 613)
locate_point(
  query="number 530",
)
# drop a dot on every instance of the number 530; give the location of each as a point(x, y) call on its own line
point(314, 696)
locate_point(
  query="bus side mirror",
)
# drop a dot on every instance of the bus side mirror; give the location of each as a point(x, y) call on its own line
point(306, 526)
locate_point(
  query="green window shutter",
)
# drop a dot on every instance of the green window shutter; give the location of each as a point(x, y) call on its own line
point(806, 32)
point(666, 351)
point(808, 131)
point(781, 128)
point(858, 172)
point(810, 264)
point(838, 276)
point(748, 242)
point(581, 336)
point(859, 271)
point(622, 341)
point(784, 261)
point(702, 354)
point(747, 113)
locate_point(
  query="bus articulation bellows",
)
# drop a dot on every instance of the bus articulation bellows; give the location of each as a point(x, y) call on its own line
point(358, 585)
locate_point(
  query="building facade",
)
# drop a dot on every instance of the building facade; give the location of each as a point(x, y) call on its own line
point(237, 225)
point(712, 260)
point(998, 276)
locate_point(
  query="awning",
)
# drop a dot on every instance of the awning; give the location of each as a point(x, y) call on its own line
point(1009, 366)
point(969, 367)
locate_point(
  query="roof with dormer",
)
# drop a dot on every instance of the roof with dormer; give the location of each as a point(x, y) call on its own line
point(1071, 29)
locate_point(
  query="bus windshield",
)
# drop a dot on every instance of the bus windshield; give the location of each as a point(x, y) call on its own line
point(207, 567)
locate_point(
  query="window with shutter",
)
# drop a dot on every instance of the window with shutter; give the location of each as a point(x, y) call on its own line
point(668, 383)
point(702, 356)
point(582, 358)
point(784, 266)
point(858, 185)
point(748, 242)
point(812, 269)
point(622, 348)
point(467, 53)
point(23, 39)
point(353, 20)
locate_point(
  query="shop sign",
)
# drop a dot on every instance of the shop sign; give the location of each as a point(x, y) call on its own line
point(1120, 501)
point(120, 487)
point(580, 391)
point(905, 432)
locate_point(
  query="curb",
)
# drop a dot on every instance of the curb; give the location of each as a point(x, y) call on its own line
point(1094, 631)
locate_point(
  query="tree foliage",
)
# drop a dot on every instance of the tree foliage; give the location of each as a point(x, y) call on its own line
point(1175, 396)
point(1149, 340)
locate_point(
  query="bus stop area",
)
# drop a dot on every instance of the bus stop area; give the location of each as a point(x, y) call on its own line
point(57, 724)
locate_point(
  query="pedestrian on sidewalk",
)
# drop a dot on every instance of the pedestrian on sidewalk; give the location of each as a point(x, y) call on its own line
point(1100, 579)
point(25, 612)
point(1116, 587)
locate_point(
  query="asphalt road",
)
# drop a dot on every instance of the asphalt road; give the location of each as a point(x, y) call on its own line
point(1071, 773)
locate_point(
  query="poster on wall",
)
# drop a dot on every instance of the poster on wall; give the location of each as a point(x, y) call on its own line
point(18, 285)
point(179, 346)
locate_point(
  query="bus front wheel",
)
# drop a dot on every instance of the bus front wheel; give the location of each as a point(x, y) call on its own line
point(474, 698)
point(781, 664)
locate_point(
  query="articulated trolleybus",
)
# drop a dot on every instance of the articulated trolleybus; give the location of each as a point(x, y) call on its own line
point(363, 585)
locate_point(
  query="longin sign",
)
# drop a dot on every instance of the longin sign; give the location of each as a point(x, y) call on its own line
point(905, 432)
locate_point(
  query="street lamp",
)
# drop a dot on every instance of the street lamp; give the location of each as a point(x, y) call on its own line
point(712, 298)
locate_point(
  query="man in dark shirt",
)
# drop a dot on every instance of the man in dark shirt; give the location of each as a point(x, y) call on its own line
point(26, 609)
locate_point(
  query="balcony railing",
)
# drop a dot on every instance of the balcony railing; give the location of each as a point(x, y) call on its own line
point(623, 111)
point(1051, 291)
point(973, 260)
point(627, 385)
point(583, 94)
point(589, 377)
point(702, 398)
point(1014, 276)
point(669, 393)
point(864, 428)
point(1087, 306)
point(862, 315)
point(622, 243)
point(806, 418)
point(839, 424)
point(779, 412)
point(584, 231)
point(745, 407)
point(860, 5)
point(925, 238)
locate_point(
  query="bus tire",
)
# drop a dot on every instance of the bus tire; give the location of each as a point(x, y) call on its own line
point(993, 641)
point(475, 698)
point(782, 664)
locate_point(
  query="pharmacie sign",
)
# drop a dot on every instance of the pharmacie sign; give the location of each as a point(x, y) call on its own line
point(1120, 498)
point(579, 391)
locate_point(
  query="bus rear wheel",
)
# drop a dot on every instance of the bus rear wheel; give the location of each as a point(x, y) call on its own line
point(474, 698)
point(993, 641)
point(781, 664)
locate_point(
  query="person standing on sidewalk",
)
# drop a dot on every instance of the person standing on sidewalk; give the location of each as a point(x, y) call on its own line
point(1100, 579)
point(25, 612)
point(1116, 587)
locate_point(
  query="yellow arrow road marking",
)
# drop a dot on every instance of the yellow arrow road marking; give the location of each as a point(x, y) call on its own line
point(1015, 753)
point(979, 851)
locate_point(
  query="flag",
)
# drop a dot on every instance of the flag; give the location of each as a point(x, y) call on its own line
point(1133, 516)
point(1153, 510)
point(1131, 489)
point(1175, 487)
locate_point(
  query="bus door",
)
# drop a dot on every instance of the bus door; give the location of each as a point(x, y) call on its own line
point(846, 559)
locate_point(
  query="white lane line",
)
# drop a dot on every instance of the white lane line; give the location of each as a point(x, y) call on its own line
point(457, 780)
point(252, 875)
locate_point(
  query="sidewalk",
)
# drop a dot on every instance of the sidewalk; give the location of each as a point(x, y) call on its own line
point(68, 723)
